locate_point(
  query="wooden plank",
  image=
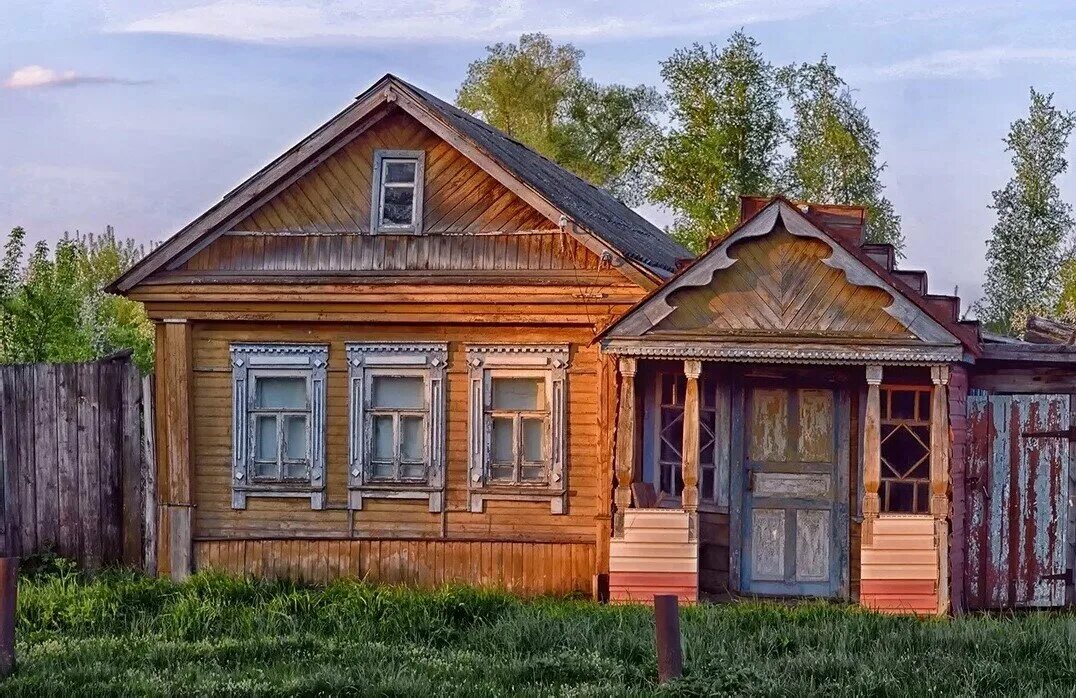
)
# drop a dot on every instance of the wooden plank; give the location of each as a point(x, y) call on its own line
point(148, 468)
point(9, 458)
point(109, 461)
point(45, 457)
point(24, 407)
point(89, 464)
point(67, 447)
point(133, 499)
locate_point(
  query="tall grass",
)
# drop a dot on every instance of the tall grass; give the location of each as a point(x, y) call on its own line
point(121, 633)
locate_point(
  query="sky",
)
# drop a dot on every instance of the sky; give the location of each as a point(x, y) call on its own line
point(142, 113)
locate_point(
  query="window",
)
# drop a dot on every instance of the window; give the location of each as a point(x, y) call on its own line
point(397, 191)
point(518, 424)
point(667, 410)
point(905, 476)
point(278, 421)
point(397, 421)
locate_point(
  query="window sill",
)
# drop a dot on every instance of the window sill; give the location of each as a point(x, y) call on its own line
point(557, 498)
point(396, 490)
point(315, 495)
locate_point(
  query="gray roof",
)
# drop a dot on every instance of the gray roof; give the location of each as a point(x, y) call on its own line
point(590, 206)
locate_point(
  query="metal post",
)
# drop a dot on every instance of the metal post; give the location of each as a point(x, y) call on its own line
point(9, 568)
point(667, 637)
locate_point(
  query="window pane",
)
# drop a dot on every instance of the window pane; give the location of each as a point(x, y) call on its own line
point(533, 473)
point(502, 440)
point(295, 438)
point(380, 470)
point(265, 438)
point(413, 471)
point(281, 393)
point(397, 206)
point(924, 406)
point(266, 469)
point(296, 471)
point(707, 489)
point(383, 440)
point(903, 406)
point(518, 394)
point(500, 472)
point(400, 171)
point(534, 440)
point(411, 433)
point(398, 392)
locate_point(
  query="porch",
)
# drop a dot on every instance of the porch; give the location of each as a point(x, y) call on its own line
point(782, 480)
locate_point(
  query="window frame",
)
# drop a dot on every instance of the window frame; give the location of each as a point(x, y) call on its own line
point(377, 197)
point(490, 413)
point(547, 362)
point(886, 418)
point(251, 362)
point(370, 360)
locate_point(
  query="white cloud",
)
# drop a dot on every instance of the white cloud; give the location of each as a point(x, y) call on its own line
point(974, 63)
point(36, 76)
point(462, 20)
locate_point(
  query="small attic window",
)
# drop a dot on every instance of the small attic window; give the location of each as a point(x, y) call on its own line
point(396, 205)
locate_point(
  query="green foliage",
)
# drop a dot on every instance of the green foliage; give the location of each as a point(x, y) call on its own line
point(122, 633)
point(834, 149)
point(725, 139)
point(534, 91)
point(53, 307)
point(1025, 272)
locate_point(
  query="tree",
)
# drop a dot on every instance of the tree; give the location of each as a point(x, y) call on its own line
point(534, 92)
point(1024, 253)
point(54, 308)
point(725, 139)
point(834, 155)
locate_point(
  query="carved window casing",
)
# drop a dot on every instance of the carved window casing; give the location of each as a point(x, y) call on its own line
point(397, 421)
point(518, 424)
point(905, 449)
point(278, 422)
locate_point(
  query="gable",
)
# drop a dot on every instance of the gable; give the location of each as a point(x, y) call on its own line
point(780, 284)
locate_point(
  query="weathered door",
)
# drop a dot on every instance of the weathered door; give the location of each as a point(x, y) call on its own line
point(794, 491)
point(1017, 501)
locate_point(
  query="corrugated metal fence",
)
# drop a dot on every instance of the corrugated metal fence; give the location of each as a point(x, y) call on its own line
point(1017, 497)
point(73, 463)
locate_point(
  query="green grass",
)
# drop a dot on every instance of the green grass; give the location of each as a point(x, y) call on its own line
point(123, 634)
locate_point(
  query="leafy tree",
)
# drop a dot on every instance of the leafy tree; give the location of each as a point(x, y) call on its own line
point(725, 139)
point(53, 308)
point(534, 91)
point(1024, 253)
point(834, 155)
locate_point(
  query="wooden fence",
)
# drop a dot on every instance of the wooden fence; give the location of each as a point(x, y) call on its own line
point(73, 462)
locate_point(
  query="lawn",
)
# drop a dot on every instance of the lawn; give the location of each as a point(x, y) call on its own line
point(123, 634)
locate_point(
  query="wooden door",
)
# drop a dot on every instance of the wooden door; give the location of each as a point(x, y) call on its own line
point(1017, 518)
point(794, 491)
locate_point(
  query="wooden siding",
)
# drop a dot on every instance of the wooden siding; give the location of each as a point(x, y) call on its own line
point(900, 567)
point(524, 568)
point(714, 552)
point(502, 522)
point(781, 283)
point(655, 556)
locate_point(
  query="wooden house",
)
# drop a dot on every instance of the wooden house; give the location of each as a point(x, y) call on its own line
point(413, 350)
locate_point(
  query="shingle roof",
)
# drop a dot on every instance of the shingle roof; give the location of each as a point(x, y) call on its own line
point(592, 207)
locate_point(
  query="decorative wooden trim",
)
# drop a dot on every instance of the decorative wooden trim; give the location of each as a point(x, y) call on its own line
point(625, 441)
point(872, 455)
point(380, 155)
point(657, 347)
point(939, 477)
point(308, 359)
point(690, 451)
point(426, 359)
point(547, 361)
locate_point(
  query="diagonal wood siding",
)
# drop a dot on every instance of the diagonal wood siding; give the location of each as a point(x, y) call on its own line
point(781, 283)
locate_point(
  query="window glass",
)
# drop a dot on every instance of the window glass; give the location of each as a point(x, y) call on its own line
point(265, 438)
point(382, 438)
point(533, 439)
point(905, 437)
point(398, 392)
point(518, 393)
point(295, 437)
point(281, 393)
point(411, 438)
point(502, 440)
point(397, 207)
point(399, 171)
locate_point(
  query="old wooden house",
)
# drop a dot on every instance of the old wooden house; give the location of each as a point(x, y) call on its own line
point(413, 350)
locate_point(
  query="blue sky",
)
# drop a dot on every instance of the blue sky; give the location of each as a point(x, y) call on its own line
point(142, 113)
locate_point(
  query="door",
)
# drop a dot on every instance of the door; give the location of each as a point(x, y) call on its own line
point(1017, 494)
point(794, 490)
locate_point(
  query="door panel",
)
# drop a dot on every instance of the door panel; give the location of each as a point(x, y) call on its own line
point(794, 525)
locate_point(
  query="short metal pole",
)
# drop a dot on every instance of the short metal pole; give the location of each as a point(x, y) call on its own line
point(9, 569)
point(667, 637)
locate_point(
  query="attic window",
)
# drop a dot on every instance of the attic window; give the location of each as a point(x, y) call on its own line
point(396, 205)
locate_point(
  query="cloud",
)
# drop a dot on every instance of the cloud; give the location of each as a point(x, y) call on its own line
point(36, 76)
point(982, 63)
point(336, 21)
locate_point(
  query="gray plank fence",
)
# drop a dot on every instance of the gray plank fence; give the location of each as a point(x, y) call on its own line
point(74, 463)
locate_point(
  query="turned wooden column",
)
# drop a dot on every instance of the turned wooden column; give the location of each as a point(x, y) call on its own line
point(939, 477)
point(872, 454)
point(625, 442)
point(690, 458)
